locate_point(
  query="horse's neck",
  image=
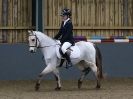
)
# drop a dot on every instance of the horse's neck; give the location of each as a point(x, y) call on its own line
point(47, 43)
point(45, 40)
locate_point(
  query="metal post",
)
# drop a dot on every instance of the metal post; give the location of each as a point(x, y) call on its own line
point(43, 15)
point(36, 15)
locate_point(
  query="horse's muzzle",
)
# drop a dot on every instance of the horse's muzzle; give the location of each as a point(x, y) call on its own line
point(32, 51)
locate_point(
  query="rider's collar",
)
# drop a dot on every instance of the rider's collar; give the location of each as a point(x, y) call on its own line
point(66, 21)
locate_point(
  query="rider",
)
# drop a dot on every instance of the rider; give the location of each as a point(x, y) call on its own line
point(65, 34)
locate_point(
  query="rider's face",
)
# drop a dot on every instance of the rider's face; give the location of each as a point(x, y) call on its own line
point(64, 18)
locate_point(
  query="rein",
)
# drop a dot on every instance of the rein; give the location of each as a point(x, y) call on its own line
point(48, 46)
point(41, 46)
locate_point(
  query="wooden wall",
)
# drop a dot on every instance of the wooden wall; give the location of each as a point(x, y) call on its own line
point(15, 20)
point(91, 17)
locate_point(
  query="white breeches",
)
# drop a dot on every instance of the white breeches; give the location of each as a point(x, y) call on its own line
point(65, 46)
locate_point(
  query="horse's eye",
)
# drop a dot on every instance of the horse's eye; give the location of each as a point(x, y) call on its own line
point(33, 40)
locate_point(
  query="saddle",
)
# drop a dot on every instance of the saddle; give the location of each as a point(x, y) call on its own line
point(68, 51)
point(73, 50)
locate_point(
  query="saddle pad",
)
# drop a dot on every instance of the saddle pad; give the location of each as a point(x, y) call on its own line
point(75, 53)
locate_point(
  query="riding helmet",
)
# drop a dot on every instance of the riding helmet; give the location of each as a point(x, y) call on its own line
point(66, 12)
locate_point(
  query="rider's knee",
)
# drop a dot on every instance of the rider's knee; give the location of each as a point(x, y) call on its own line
point(63, 50)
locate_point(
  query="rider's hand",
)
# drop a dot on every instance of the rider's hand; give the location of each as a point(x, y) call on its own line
point(58, 41)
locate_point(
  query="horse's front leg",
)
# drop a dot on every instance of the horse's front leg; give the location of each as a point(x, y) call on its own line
point(49, 68)
point(57, 76)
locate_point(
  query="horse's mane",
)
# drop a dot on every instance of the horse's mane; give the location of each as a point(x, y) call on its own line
point(44, 36)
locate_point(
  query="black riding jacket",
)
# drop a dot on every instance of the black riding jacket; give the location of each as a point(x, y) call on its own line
point(65, 33)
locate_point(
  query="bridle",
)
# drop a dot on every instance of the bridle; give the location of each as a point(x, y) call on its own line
point(37, 40)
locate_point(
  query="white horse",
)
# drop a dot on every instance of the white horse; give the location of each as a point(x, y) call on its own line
point(88, 57)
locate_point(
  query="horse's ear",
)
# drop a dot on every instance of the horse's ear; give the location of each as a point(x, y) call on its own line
point(30, 32)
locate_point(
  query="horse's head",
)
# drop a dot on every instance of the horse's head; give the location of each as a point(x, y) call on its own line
point(33, 41)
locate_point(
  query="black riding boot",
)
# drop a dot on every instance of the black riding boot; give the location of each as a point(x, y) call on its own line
point(69, 63)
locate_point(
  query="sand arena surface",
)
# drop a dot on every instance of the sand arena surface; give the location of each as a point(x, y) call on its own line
point(111, 89)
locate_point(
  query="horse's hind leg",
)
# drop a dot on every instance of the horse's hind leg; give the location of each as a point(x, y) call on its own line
point(84, 73)
point(96, 72)
point(57, 76)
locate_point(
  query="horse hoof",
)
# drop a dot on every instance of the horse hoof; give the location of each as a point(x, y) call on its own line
point(37, 87)
point(58, 88)
point(79, 84)
point(98, 87)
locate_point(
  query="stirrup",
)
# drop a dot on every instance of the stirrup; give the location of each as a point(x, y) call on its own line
point(68, 66)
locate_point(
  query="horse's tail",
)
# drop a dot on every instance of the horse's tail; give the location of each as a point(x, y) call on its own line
point(99, 61)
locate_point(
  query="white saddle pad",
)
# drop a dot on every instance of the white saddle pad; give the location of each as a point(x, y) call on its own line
point(75, 53)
